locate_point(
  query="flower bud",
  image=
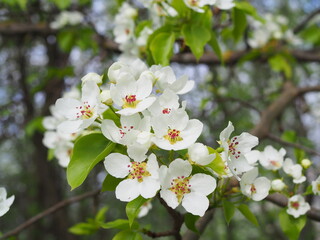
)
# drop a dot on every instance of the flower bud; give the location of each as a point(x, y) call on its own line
point(278, 185)
point(306, 163)
point(106, 97)
point(92, 77)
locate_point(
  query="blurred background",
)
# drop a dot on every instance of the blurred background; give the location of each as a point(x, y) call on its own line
point(38, 63)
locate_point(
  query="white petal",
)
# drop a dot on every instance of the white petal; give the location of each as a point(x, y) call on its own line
point(170, 198)
point(90, 93)
point(179, 168)
point(70, 126)
point(195, 203)
point(225, 134)
point(117, 165)
point(110, 130)
point(68, 107)
point(202, 183)
point(246, 142)
point(149, 187)
point(127, 190)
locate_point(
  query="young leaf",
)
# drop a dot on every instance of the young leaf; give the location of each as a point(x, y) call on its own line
point(191, 33)
point(190, 221)
point(120, 224)
point(127, 235)
point(133, 208)
point(248, 9)
point(88, 151)
point(110, 183)
point(161, 47)
point(239, 24)
point(215, 45)
point(100, 217)
point(228, 209)
point(84, 228)
point(291, 226)
point(245, 210)
point(217, 165)
point(279, 63)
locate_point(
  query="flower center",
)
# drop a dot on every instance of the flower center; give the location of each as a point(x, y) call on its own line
point(275, 163)
point(130, 101)
point(253, 189)
point(124, 130)
point(85, 111)
point(232, 148)
point(138, 170)
point(295, 205)
point(180, 186)
point(193, 3)
point(166, 110)
point(173, 136)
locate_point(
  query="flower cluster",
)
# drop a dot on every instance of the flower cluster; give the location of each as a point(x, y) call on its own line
point(274, 28)
point(67, 18)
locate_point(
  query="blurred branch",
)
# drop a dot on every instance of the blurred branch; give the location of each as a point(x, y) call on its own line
point(305, 21)
point(49, 211)
point(295, 145)
point(276, 108)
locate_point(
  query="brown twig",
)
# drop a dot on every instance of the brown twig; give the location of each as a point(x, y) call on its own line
point(49, 211)
point(289, 144)
point(305, 21)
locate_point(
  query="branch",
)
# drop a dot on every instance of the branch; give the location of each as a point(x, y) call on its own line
point(305, 21)
point(49, 211)
point(295, 145)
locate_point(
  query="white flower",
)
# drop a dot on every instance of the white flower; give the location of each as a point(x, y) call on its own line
point(144, 209)
point(179, 186)
point(197, 5)
point(277, 185)
point(164, 104)
point(224, 4)
point(175, 131)
point(253, 187)
point(132, 96)
point(293, 170)
point(316, 186)
point(297, 206)
point(164, 78)
point(143, 36)
point(5, 202)
point(80, 114)
point(123, 32)
point(142, 178)
point(63, 153)
point(236, 148)
point(67, 18)
point(91, 76)
point(134, 132)
point(271, 158)
point(199, 154)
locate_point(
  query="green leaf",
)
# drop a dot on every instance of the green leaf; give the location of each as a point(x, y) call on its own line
point(239, 24)
point(217, 165)
point(215, 45)
point(62, 4)
point(191, 33)
point(34, 125)
point(100, 217)
point(84, 228)
point(249, 9)
point(180, 7)
point(110, 114)
point(127, 235)
point(289, 136)
point(22, 4)
point(228, 209)
point(110, 183)
point(308, 190)
point(279, 63)
point(66, 40)
point(190, 221)
point(88, 151)
point(245, 210)
point(133, 208)
point(291, 226)
point(122, 224)
point(161, 47)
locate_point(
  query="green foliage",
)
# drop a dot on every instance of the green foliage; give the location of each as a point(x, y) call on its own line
point(279, 63)
point(61, 4)
point(239, 24)
point(35, 125)
point(247, 8)
point(88, 151)
point(127, 235)
point(191, 33)
point(291, 226)
point(215, 45)
point(133, 208)
point(122, 224)
point(190, 221)
point(161, 45)
point(245, 210)
point(110, 183)
point(311, 34)
point(217, 165)
point(228, 210)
